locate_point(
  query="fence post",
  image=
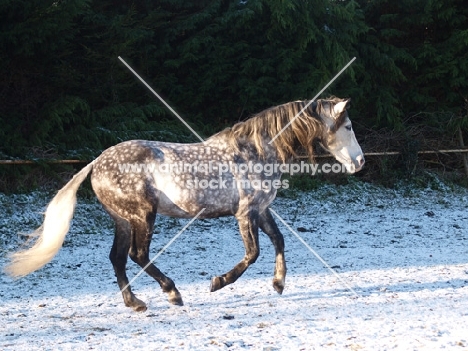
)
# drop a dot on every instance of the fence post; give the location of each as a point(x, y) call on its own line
point(462, 145)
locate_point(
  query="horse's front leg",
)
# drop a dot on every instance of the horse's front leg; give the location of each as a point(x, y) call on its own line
point(248, 226)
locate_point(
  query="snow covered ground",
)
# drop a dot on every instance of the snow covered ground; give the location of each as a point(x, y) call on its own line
point(405, 252)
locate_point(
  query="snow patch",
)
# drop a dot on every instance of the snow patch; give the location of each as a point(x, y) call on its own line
point(403, 251)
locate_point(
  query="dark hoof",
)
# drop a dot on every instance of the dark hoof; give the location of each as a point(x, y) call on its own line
point(216, 283)
point(177, 302)
point(140, 308)
point(175, 298)
point(278, 285)
point(137, 305)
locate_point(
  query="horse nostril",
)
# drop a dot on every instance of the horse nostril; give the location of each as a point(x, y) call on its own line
point(360, 160)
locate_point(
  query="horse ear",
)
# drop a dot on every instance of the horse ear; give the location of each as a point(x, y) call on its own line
point(340, 106)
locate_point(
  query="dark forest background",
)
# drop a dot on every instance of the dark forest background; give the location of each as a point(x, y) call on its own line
point(65, 94)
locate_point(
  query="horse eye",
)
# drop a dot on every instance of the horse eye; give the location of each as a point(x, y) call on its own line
point(348, 127)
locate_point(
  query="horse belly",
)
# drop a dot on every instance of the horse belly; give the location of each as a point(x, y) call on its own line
point(182, 202)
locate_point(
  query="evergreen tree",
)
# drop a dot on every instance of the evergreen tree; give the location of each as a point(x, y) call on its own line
point(62, 86)
point(35, 41)
point(231, 59)
point(417, 60)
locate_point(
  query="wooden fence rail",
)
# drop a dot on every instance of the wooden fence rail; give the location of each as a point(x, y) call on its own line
point(31, 162)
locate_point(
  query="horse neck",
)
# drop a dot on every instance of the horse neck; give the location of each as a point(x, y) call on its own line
point(245, 148)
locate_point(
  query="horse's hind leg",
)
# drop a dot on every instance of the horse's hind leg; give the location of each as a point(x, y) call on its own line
point(268, 225)
point(248, 226)
point(142, 232)
point(118, 257)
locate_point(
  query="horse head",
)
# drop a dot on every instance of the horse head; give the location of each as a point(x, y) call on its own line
point(338, 136)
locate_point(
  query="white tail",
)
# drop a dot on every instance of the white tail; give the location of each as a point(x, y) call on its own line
point(53, 230)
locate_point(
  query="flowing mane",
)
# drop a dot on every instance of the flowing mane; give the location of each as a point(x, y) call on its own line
point(302, 132)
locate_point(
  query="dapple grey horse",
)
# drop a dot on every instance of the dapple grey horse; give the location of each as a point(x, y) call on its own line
point(224, 176)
